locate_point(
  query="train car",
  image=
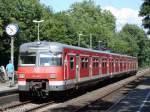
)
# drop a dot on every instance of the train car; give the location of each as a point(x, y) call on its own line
point(52, 66)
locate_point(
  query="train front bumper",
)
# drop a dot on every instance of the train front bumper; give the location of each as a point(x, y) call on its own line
point(49, 86)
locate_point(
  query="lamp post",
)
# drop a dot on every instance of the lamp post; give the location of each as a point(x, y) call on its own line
point(99, 44)
point(12, 30)
point(148, 36)
point(12, 57)
point(90, 41)
point(79, 39)
point(36, 21)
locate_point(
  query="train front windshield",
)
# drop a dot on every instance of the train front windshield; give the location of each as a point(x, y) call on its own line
point(27, 60)
point(48, 59)
point(44, 59)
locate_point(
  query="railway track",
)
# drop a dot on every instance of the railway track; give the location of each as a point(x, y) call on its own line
point(40, 106)
point(9, 99)
point(81, 103)
point(27, 106)
point(8, 96)
point(8, 93)
point(13, 105)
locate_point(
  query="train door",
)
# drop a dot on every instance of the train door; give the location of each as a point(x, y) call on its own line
point(71, 67)
point(121, 65)
point(84, 66)
point(95, 66)
point(116, 65)
point(128, 65)
point(110, 65)
point(90, 67)
point(125, 65)
point(113, 63)
point(100, 66)
point(104, 66)
point(77, 68)
point(65, 66)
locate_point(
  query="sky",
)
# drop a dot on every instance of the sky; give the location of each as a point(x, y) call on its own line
point(125, 11)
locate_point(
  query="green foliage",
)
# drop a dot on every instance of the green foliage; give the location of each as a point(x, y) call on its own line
point(82, 17)
point(137, 43)
point(88, 18)
point(1, 30)
point(145, 12)
point(23, 13)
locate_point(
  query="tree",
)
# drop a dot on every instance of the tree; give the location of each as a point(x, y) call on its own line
point(82, 17)
point(59, 28)
point(137, 43)
point(88, 18)
point(145, 12)
point(23, 13)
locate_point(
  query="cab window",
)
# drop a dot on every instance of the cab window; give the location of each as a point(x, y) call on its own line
point(47, 59)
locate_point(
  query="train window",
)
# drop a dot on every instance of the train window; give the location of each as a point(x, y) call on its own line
point(48, 59)
point(86, 63)
point(125, 64)
point(112, 63)
point(93, 59)
point(96, 65)
point(116, 63)
point(104, 62)
point(120, 64)
point(27, 60)
point(82, 62)
point(95, 62)
point(71, 62)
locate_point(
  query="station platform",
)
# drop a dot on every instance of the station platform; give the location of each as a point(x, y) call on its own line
point(137, 100)
point(4, 88)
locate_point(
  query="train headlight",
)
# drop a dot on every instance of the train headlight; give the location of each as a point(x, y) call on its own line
point(53, 76)
point(21, 75)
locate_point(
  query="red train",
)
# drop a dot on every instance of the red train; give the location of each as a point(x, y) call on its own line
point(51, 66)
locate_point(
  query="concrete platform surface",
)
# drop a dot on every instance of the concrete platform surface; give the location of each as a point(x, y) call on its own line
point(4, 88)
point(137, 100)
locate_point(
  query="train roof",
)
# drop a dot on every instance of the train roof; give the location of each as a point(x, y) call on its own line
point(58, 47)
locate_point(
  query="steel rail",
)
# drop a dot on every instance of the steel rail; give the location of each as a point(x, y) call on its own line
point(40, 106)
point(8, 95)
point(14, 105)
